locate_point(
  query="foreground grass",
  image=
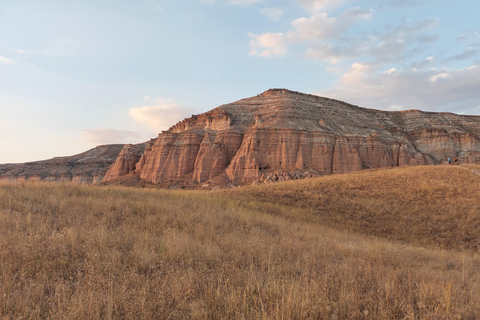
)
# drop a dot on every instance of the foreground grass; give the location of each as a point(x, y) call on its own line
point(76, 252)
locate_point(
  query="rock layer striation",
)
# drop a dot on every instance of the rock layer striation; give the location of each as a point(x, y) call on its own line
point(87, 167)
point(282, 135)
point(126, 161)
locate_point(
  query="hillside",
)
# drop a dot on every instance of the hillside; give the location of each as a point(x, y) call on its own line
point(87, 167)
point(380, 244)
point(425, 206)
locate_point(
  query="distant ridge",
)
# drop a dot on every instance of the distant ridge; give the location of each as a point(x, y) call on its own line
point(86, 167)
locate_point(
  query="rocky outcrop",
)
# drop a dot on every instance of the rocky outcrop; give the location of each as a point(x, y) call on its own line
point(87, 167)
point(281, 135)
point(125, 161)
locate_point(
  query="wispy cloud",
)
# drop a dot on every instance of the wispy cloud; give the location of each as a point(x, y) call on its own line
point(156, 118)
point(470, 36)
point(112, 136)
point(160, 116)
point(5, 60)
point(470, 52)
point(273, 14)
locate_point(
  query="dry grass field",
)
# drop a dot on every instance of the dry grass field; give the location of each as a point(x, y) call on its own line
point(388, 244)
point(425, 206)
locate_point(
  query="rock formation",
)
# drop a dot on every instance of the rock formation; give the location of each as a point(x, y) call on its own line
point(282, 135)
point(87, 167)
point(275, 136)
point(125, 161)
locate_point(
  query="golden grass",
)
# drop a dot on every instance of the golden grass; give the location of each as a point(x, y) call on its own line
point(85, 252)
point(427, 206)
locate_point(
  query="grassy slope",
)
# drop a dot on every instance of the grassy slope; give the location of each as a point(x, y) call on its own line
point(75, 252)
point(432, 206)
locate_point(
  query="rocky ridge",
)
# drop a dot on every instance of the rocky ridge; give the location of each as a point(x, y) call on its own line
point(281, 135)
point(87, 167)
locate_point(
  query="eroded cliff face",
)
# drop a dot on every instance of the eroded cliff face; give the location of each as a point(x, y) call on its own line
point(126, 161)
point(86, 168)
point(282, 135)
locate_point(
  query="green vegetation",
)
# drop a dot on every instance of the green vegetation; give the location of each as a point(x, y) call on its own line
point(387, 244)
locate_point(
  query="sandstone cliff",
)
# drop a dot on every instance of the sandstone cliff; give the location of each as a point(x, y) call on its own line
point(125, 161)
point(87, 167)
point(282, 135)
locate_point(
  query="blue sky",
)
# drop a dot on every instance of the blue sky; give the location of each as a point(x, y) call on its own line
point(76, 74)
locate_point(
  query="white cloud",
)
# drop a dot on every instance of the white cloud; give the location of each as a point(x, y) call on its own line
point(111, 136)
point(274, 14)
point(5, 60)
point(429, 89)
point(320, 33)
point(318, 26)
point(435, 77)
point(268, 44)
point(20, 51)
point(321, 27)
point(392, 70)
point(161, 116)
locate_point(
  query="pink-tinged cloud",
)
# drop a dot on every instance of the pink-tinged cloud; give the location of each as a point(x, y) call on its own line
point(268, 44)
point(112, 136)
point(161, 116)
point(5, 60)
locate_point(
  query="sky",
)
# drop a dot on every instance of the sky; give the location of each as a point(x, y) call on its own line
point(80, 73)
